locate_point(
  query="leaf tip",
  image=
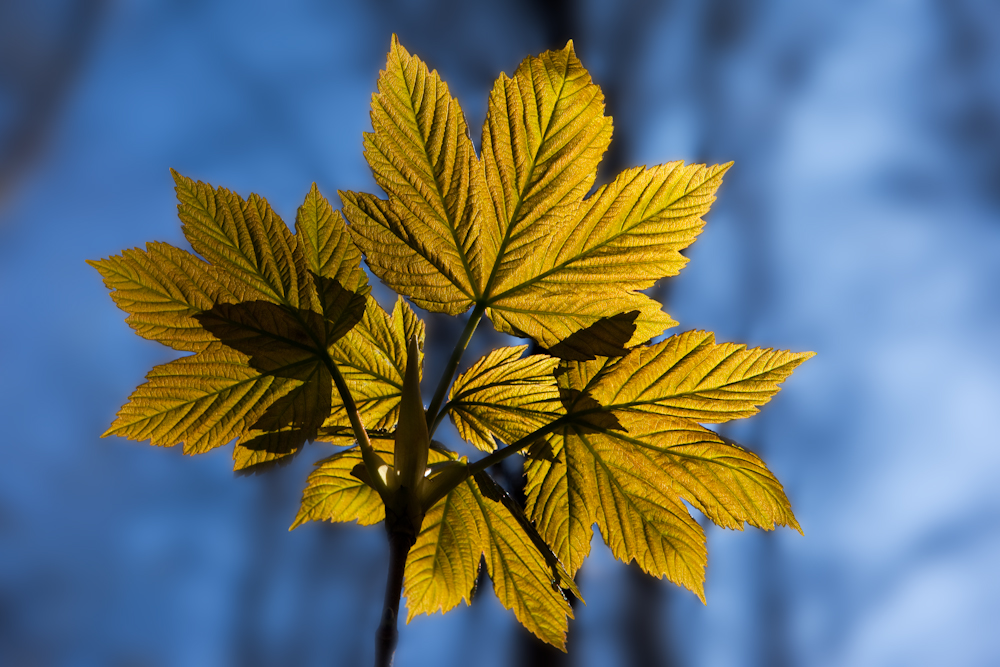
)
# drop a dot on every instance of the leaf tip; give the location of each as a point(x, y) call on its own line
point(396, 50)
point(798, 358)
point(698, 588)
point(314, 190)
point(347, 197)
point(178, 177)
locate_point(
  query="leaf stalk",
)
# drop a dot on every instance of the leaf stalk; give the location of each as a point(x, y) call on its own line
point(374, 463)
point(511, 449)
point(434, 412)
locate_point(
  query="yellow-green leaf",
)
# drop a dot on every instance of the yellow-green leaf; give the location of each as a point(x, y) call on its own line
point(622, 239)
point(261, 318)
point(512, 232)
point(283, 342)
point(559, 574)
point(466, 525)
point(326, 244)
point(443, 564)
point(544, 135)
point(632, 442)
point(691, 376)
point(249, 461)
point(639, 515)
point(203, 401)
point(422, 157)
point(630, 496)
point(295, 417)
point(504, 396)
point(162, 288)
point(271, 336)
point(246, 239)
point(612, 425)
point(630, 232)
point(398, 265)
point(727, 483)
point(554, 314)
point(332, 493)
point(372, 359)
point(522, 579)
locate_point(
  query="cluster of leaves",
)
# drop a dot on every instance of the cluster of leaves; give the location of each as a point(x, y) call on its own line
point(288, 347)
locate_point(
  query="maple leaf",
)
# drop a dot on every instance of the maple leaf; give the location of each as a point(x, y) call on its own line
point(287, 347)
point(476, 520)
point(334, 493)
point(632, 447)
point(510, 233)
point(372, 358)
point(504, 396)
point(261, 318)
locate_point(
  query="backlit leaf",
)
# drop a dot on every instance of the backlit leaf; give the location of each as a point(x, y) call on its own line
point(512, 232)
point(333, 493)
point(372, 359)
point(466, 525)
point(443, 564)
point(632, 445)
point(271, 336)
point(504, 396)
point(294, 418)
point(422, 157)
point(261, 319)
point(250, 461)
point(611, 424)
point(326, 244)
point(544, 135)
point(691, 376)
point(727, 483)
point(203, 401)
point(246, 239)
point(629, 233)
point(163, 288)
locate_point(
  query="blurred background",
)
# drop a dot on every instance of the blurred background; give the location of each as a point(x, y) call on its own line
point(861, 220)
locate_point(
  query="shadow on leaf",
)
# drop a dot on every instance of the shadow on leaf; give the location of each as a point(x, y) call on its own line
point(341, 307)
point(290, 344)
point(266, 466)
point(278, 340)
point(607, 337)
point(588, 415)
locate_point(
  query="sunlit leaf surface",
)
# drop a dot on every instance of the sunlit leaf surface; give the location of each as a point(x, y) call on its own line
point(504, 396)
